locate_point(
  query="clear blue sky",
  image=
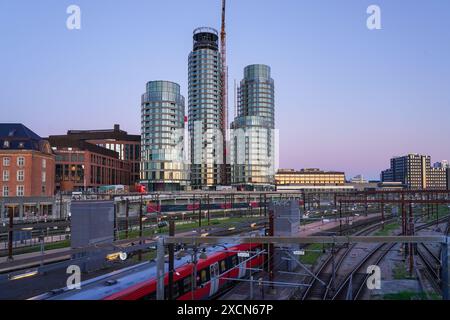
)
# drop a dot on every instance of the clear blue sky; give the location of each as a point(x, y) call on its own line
point(347, 98)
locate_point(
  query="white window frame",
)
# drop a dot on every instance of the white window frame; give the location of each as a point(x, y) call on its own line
point(5, 175)
point(44, 176)
point(5, 191)
point(20, 190)
point(6, 161)
point(44, 163)
point(20, 175)
point(21, 161)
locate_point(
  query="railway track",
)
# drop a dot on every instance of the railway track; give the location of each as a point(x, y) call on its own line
point(352, 287)
point(321, 285)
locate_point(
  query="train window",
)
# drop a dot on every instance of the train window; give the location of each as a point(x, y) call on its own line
point(234, 261)
point(223, 266)
point(203, 278)
point(187, 284)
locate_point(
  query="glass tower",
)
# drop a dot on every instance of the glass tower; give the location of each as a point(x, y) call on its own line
point(206, 112)
point(162, 163)
point(252, 131)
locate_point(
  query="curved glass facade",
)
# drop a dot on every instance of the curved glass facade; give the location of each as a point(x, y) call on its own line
point(252, 136)
point(162, 119)
point(206, 113)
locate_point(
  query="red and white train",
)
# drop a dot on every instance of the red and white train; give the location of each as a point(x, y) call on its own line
point(214, 274)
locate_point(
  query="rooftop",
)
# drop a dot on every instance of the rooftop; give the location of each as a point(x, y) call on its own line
point(16, 136)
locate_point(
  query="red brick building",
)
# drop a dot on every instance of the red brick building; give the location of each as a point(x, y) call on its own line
point(27, 164)
point(83, 166)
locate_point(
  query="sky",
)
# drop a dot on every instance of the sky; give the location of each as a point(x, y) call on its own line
point(346, 97)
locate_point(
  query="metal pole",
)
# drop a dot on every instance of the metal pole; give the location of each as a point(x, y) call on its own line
point(42, 247)
point(115, 220)
point(445, 269)
point(60, 205)
point(10, 235)
point(160, 269)
point(382, 211)
point(411, 232)
point(340, 218)
point(251, 288)
point(127, 214)
point(171, 248)
point(141, 227)
point(200, 213)
point(208, 210)
point(271, 251)
point(194, 272)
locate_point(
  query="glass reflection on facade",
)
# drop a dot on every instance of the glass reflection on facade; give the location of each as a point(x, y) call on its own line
point(206, 113)
point(252, 135)
point(162, 166)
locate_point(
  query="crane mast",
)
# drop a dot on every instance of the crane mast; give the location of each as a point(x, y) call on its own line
point(224, 76)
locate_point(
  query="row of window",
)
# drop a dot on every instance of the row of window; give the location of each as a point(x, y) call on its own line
point(20, 191)
point(20, 162)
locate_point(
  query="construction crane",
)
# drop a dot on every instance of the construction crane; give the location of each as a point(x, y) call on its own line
point(224, 76)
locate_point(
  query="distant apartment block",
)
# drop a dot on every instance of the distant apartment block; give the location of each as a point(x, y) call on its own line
point(414, 171)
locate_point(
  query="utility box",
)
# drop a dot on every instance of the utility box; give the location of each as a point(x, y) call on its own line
point(286, 220)
point(92, 222)
point(286, 217)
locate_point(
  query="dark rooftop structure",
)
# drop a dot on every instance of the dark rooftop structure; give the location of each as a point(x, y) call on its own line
point(115, 134)
point(16, 136)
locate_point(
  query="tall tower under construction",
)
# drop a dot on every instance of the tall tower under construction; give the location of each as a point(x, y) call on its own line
point(206, 111)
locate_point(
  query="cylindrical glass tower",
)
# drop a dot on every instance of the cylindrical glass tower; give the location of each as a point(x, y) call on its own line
point(253, 137)
point(206, 113)
point(163, 166)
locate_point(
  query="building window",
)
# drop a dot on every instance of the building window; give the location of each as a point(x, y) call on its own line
point(44, 176)
point(5, 175)
point(5, 191)
point(20, 175)
point(6, 161)
point(6, 144)
point(20, 191)
point(44, 163)
point(20, 161)
point(43, 190)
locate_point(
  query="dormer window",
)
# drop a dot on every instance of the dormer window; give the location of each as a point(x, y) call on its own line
point(21, 144)
point(6, 144)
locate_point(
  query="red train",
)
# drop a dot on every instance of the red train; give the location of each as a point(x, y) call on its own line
point(213, 274)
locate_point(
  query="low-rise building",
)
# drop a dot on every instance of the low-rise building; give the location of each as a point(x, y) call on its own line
point(27, 168)
point(83, 166)
point(309, 179)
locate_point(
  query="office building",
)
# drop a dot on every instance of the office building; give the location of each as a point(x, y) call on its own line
point(163, 165)
point(309, 177)
point(414, 171)
point(84, 166)
point(126, 145)
point(252, 136)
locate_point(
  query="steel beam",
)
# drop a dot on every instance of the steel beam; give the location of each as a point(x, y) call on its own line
point(308, 240)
